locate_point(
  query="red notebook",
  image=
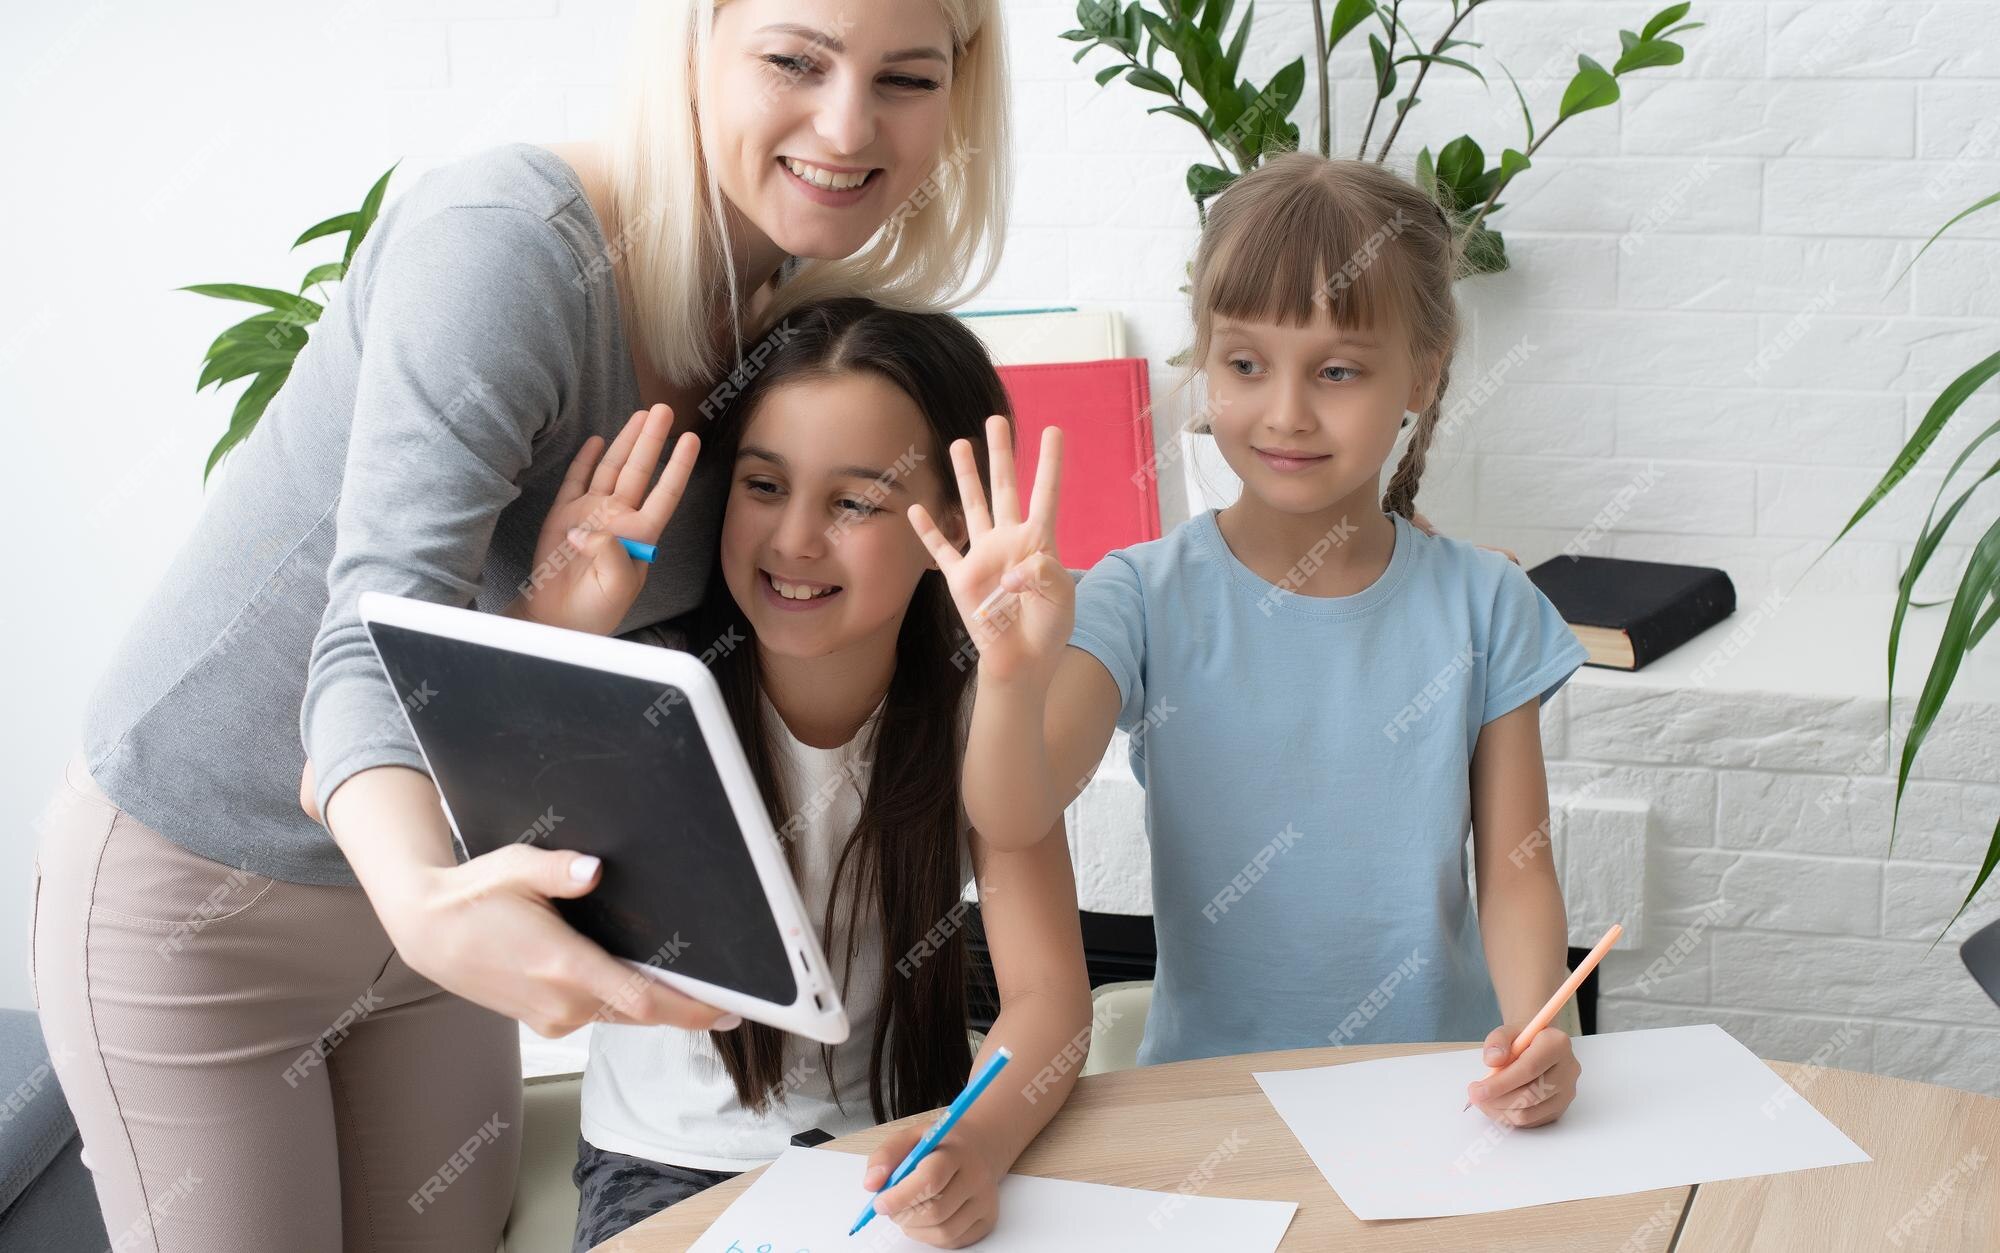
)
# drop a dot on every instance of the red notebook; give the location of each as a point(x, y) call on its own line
point(1109, 497)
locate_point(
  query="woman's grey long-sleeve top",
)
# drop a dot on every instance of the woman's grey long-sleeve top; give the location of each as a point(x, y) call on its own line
point(416, 449)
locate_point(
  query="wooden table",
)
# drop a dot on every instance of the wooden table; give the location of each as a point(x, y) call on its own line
point(1934, 1183)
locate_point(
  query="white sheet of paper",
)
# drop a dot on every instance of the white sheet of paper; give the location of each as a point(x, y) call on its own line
point(1654, 1109)
point(806, 1200)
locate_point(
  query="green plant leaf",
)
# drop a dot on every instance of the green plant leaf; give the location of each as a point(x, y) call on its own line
point(332, 226)
point(1512, 163)
point(1215, 15)
point(1438, 60)
point(1285, 88)
point(1204, 53)
point(272, 330)
point(371, 204)
point(240, 360)
point(331, 272)
point(1225, 110)
point(1979, 880)
point(1527, 118)
point(1980, 580)
point(1233, 57)
point(1920, 556)
point(1149, 80)
point(1958, 217)
point(1928, 538)
point(1592, 88)
point(1385, 70)
point(269, 297)
point(1204, 181)
point(1669, 34)
point(1646, 55)
point(1108, 73)
point(1627, 40)
point(1183, 113)
point(1664, 18)
point(1920, 440)
point(1986, 623)
point(1347, 15)
point(250, 407)
point(1459, 166)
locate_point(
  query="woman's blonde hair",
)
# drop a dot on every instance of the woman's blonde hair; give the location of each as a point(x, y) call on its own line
point(673, 256)
point(1302, 235)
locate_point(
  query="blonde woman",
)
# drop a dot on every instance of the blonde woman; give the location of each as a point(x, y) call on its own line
point(282, 1036)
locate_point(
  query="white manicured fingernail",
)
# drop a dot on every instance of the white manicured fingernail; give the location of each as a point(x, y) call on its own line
point(581, 868)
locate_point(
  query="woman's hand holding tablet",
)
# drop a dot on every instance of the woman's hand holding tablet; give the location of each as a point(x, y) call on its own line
point(538, 726)
point(625, 751)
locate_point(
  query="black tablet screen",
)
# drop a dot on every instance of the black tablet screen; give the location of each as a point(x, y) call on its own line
point(526, 749)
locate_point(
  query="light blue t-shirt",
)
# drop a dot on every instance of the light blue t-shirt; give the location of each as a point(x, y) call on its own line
point(1307, 770)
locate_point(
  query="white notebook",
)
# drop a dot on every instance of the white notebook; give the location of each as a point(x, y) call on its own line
point(1654, 1109)
point(1042, 336)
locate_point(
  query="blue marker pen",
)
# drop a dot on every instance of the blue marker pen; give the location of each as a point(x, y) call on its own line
point(938, 1129)
point(643, 552)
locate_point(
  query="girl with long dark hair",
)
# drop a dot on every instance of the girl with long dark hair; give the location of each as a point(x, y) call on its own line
point(839, 654)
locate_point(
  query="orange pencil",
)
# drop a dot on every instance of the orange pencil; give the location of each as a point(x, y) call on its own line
point(1556, 1002)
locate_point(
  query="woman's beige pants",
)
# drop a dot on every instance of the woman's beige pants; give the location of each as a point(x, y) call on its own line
point(252, 1066)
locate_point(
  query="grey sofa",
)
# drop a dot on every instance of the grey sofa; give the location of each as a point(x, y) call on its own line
point(47, 1202)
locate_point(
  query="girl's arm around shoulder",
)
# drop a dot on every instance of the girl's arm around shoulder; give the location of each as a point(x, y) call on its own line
point(1521, 918)
point(1027, 901)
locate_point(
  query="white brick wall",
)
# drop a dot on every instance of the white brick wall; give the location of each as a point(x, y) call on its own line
point(1749, 348)
point(1796, 159)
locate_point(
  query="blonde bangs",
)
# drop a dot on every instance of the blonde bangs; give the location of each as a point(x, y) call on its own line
point(1291, 245)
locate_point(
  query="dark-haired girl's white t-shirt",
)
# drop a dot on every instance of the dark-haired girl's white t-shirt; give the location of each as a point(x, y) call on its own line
point(663, 1094)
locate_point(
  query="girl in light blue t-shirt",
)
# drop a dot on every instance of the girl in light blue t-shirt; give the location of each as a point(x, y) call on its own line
point(1322, 697)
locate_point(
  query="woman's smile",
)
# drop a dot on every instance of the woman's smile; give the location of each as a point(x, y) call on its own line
point(831, 185)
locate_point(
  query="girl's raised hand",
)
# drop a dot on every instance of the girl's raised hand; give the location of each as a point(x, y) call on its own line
point(583, 578)
point(1020, 631)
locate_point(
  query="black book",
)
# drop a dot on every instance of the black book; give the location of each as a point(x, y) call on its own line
point(1627, 613)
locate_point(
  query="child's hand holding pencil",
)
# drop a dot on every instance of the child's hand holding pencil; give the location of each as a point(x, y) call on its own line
point(1534, 1069)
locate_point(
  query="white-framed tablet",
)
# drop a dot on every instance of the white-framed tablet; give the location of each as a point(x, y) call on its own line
point(625, 751)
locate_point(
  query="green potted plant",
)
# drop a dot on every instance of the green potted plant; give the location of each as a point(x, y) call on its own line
point(1185, 52)
point(1975, 606)
point(263, 347)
